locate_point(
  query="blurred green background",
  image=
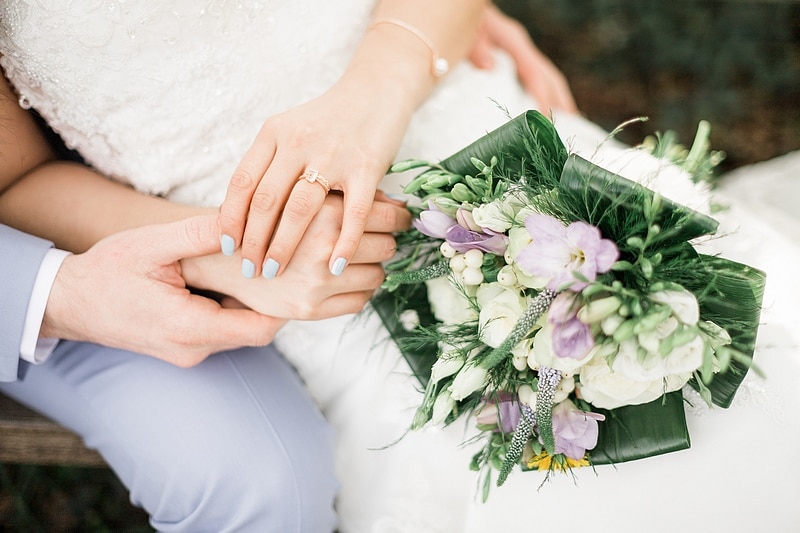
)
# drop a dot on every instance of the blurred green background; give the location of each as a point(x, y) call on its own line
point(735, 63)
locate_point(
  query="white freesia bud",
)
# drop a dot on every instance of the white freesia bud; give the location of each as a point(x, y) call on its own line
point(473, 258)
point(447, 250)
point(683, 304)
point(446, 366)
point(610, 324)
point(468, 380)
point(651, 340)
point(457, 263)
point(527, 396)
point(442, 407)
point(472, 276)
point(597, 310)
point(715, 335)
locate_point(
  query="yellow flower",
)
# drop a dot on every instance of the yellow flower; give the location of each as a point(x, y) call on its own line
point(545, 461)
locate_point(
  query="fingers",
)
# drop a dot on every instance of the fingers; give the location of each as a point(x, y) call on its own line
point(374, 248)
point(357, 208)
point(239, 195)
point(388, 216)
point(481, 53)
point(191, 237)
point(305, 200)
point(211, 328)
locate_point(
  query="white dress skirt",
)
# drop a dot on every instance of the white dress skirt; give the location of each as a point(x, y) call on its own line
point(167, 96)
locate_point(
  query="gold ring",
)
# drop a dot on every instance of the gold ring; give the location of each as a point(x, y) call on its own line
point(313, 176)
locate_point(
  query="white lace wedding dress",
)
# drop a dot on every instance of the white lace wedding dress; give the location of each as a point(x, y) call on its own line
point(166, 96)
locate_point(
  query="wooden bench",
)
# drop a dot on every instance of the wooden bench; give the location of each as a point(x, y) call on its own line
point(30, 438)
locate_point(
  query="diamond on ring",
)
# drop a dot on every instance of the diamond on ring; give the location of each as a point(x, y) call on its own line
point(313, 176)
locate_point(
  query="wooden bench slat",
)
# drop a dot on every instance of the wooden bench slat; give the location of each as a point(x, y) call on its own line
point(28, 437)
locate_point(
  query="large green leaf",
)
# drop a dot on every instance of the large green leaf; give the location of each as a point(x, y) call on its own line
point(733, 302)
point(639, 431)
point(612, 202)
point(522, 145)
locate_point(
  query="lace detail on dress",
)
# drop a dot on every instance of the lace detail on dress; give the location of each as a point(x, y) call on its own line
point(141, 88)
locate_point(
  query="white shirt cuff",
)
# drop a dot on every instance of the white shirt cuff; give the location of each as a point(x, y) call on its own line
point(32, 348)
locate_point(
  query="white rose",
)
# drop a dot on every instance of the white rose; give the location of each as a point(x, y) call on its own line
point(496, 216)
point(542, 353)
point(686, 358)
point(448, 303)
point(500, 311)
point(682, 302)
point(674, 382)
point(637, 364)
point(468, 380)
point(604, 388)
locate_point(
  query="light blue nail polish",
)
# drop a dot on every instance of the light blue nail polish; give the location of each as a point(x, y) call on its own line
point(248, 268)
point(227, 244)
point(338, 266)
point(270, 268)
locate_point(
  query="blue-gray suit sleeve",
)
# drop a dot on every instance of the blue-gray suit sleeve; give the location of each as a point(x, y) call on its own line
point(20, 258)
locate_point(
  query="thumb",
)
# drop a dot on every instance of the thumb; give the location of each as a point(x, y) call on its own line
point(191, 237)
point(239, 327)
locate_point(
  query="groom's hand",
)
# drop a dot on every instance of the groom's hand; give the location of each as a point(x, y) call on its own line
point(128, 292)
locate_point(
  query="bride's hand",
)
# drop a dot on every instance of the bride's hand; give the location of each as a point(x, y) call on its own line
point(344, 140)
point(540, 77)
point(306, 289)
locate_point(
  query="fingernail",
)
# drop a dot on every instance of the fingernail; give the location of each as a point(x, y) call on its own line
point(270, 268)
point(227, 244)
point(248, 268)
point(338, 266)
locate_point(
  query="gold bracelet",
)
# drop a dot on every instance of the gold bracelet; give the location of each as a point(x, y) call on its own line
point(439, 65)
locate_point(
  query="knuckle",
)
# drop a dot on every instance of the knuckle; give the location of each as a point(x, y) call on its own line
point(359, 210)
point(264, 200)
point(298, 208)
point(242, 180)
point(252, 242)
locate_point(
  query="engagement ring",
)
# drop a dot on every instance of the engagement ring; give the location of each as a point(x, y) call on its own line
point(313, 176)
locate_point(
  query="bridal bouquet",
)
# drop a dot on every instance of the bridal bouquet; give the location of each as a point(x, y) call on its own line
point(561, 306)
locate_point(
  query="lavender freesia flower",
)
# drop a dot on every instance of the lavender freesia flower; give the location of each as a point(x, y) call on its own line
point(557, 252)
point(433, 222)
point(505, 413)
point(575, 431)
point(462, 240)
point(570, 337)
